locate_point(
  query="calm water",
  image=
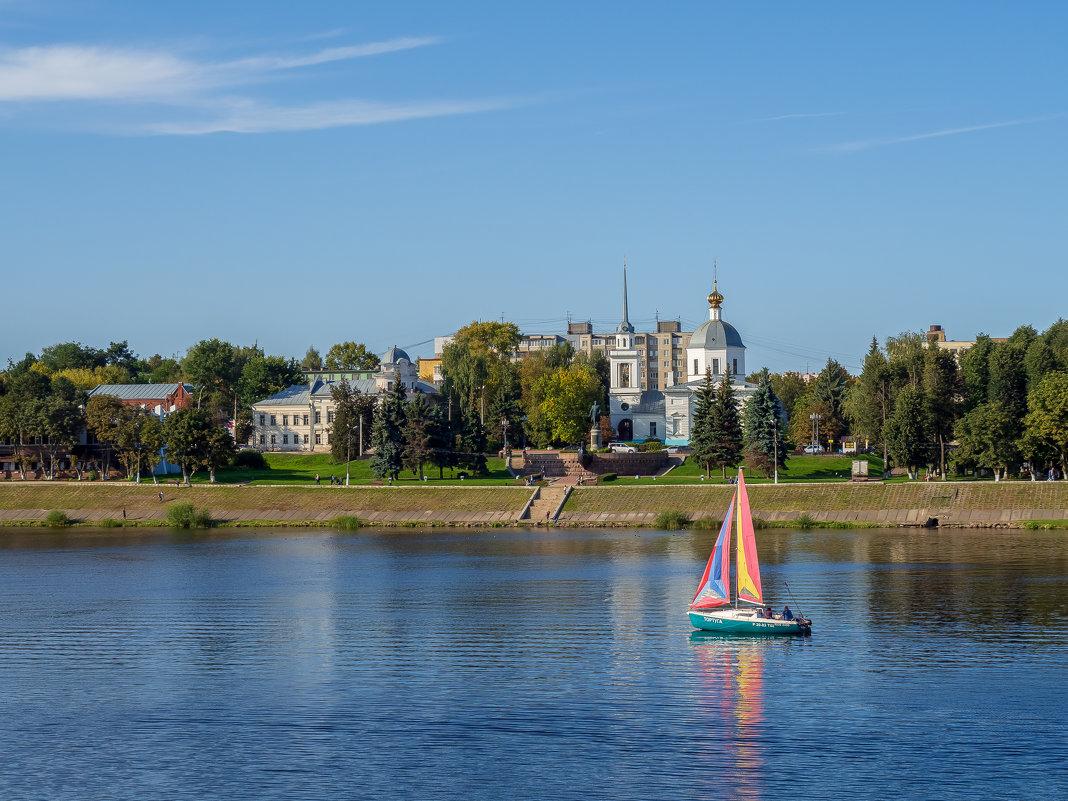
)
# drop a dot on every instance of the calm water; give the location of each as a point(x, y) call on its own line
point(436, 664)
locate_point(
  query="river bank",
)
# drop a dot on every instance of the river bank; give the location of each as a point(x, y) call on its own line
point(871, 504)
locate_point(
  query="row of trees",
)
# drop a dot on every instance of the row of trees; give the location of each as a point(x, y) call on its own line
point(1005, 403)
point(404, 434)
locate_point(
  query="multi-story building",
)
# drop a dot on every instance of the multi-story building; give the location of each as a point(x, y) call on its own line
point(955, 346)
point(301, 417)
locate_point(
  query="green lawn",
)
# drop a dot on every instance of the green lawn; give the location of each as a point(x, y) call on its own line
point(296, 468)
point(801, 467)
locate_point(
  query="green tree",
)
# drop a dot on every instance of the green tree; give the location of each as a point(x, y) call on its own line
point(442, 436)
point(1047, 419)
point(104, 415)
point(474, 364)
point(1038, 362)
point(727, 437)
point(568, 395)
point(210, 366)
point(763, 436)
point(139, 439)
point(942, 387)
point(60, 422)
point(418, 437)
point(312, 360)
point(702, 424)
point(353, 412)
point(471, 444)
point(975, 372)
point(196, 442)
point(788, 387)
point(987, 436)
point(908, 430)
point(506, 406)
point(387, 434)
point(263, 376)
point(349, 356)
point(870, 400)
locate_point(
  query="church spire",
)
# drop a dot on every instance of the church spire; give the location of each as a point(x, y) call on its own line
point(715, 299)
point(624, 326)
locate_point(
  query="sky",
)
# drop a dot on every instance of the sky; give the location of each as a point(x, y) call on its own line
point(297, 174)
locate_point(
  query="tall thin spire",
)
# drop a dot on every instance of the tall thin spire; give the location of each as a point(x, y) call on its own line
point(624, 326)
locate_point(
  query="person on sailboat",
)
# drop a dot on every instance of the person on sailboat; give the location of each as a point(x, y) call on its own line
point(787, 614)
point(768, 613)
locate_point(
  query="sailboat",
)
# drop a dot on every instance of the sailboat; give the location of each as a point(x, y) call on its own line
point(712, 609)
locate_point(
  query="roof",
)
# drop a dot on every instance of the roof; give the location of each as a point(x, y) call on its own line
point(714, 335)
point(394, 355)
point(302, 394)
point(141, 392)
point(651, 402)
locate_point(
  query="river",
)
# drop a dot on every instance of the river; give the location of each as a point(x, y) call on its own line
point(512, 663)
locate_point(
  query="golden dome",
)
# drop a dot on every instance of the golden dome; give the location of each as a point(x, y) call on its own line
point(715, 300)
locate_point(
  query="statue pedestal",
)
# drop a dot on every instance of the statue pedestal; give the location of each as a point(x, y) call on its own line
point(595, 438)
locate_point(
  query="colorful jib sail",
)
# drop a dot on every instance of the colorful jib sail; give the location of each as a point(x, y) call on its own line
point(714, 589)
point(748, 566)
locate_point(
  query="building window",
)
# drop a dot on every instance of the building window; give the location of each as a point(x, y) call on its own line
point(262, 418)
point(263, 440)
point(735, 368)
point(318, 439)
point(305, 439)
point(715, 367)
point(695, 367)
point(272, 439)
point(327, 439)
point(272, 420)
point(285, 439)
point(305, 419)
point(652, 429)
point(329, 417)
point(318, 418)
point(285, 419)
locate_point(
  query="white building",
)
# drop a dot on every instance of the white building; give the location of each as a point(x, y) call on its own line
point(300, 418)
point(667, 414)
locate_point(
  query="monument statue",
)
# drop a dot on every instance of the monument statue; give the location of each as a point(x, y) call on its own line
point(595, 413)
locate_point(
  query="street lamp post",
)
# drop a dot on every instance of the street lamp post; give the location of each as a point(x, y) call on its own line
point(775, 441)
point(815, 418)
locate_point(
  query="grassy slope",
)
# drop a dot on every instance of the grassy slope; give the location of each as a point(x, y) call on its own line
point(73, 496)
point(838, 496)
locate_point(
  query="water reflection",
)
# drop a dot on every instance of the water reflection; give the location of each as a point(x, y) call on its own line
point(731, 671)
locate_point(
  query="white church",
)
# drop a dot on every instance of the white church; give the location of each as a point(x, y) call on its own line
point(666, 415)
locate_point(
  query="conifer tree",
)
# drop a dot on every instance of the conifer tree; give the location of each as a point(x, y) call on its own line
point(387, 434)
point(763, 434)
point(471, 451)
point(418, 448)
point(702, 427)
point(727, 427)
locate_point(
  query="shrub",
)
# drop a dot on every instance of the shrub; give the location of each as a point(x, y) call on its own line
point(57, 519)
point(251, 459)
point(93, 475)
point(110, 522)
point(537, 476)
point(184, 515)
point(760, 523)
point(805, 521)
point(606, 477)
point(346, 522)
point(707, 522)
point(651, 445)
point(672, 521)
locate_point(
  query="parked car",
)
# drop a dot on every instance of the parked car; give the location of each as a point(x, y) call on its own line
point(622, 447)
point(813, 449)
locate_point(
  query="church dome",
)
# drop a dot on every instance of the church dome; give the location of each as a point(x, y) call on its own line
point(394, 355)
point(716, 334)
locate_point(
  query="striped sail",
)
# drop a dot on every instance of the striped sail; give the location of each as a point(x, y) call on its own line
point(714, 589)
point(748, 565)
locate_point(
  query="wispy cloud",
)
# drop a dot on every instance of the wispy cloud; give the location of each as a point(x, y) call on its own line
point(801, 116)
point(201, 93)
point(867, 144)
point(252, 117)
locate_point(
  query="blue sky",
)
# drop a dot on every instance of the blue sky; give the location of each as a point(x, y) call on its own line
point(300, 174)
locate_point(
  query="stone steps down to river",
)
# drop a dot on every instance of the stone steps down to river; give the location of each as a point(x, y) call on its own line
point(566, 464)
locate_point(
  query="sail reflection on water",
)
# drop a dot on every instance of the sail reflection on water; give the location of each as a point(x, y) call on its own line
point(731, 672)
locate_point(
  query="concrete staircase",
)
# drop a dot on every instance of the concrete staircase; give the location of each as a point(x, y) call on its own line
point(546, 503)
